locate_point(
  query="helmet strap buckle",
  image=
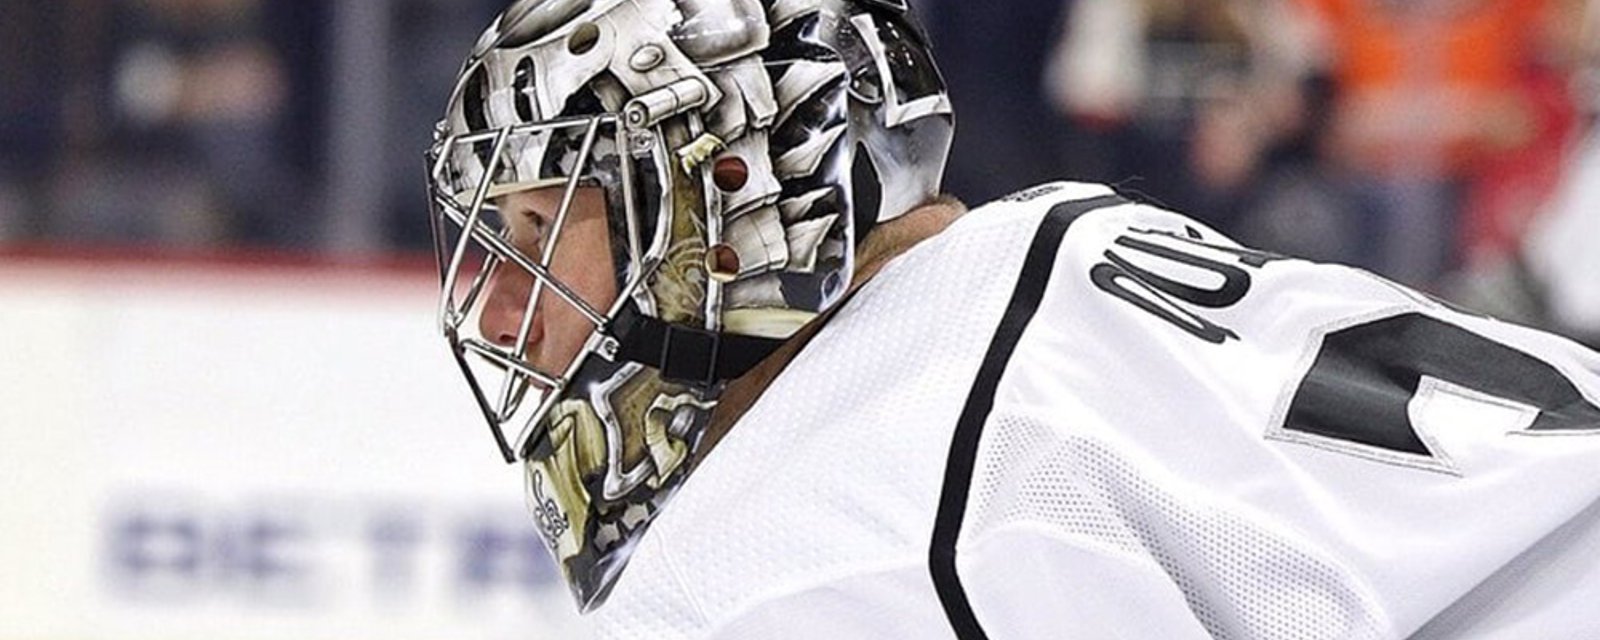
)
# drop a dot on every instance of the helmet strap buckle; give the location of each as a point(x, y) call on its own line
point(689, 355)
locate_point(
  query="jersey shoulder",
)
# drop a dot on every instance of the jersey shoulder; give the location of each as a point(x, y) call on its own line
point(1094, 211)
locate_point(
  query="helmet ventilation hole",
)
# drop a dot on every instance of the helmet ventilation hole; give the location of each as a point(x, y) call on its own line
point(722, 263)
point(583, 39)
point(730, 174)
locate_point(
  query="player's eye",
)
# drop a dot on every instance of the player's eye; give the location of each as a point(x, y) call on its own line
point(530, 231)
point(539, 223)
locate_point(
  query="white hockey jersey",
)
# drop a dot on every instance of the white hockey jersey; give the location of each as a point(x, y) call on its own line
point(1070, 416)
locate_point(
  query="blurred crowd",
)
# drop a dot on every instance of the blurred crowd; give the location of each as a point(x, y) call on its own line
point(205, 123)
point(1422, 139)
point(1413, 137)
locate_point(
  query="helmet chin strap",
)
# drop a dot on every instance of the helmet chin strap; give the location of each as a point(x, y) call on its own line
point(685, 354)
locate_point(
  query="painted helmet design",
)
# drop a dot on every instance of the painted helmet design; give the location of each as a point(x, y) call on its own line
point(723, 135)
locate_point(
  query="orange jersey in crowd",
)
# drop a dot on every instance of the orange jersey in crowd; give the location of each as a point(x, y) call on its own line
point(1420, 79)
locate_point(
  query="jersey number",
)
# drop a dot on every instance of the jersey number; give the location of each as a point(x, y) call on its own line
point(1365, 376)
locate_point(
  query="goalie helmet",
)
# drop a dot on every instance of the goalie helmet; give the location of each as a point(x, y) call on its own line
point(724, 137)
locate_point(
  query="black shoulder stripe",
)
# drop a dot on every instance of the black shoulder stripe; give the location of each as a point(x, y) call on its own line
point(1037, 268)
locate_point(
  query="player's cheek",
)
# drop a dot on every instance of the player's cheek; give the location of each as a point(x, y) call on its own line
point(588, 259)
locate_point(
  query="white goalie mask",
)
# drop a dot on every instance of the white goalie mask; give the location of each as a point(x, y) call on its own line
point(718, 141)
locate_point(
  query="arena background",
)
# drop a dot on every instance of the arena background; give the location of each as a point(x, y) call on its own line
point(224, 412)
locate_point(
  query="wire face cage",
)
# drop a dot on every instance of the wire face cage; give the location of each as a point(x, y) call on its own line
point(719, 142)
point(481, 245)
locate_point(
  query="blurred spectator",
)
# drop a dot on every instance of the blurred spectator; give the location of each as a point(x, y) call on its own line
point(1159, 89)
point(184, 141)
point(1511, 185)
point(1563, 250)
point(1429, 94)
point(1293, 204)
point(31, 99)
point(1550, 281)
point(1585, 44)
point(992, 55)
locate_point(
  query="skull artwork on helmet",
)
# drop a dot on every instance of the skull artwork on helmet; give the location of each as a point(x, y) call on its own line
point(721, 139)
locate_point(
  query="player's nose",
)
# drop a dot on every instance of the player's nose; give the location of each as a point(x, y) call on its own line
point(501, 320)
